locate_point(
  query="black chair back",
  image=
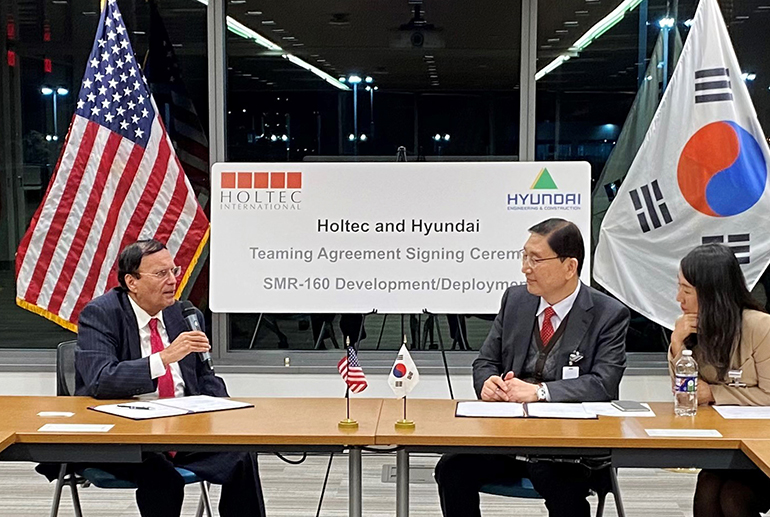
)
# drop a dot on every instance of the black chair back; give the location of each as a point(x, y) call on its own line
point(65, 368)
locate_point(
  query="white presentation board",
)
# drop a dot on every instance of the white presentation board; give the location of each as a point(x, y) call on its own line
point(396, 237)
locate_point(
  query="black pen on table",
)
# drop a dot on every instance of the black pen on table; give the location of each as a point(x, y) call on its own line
point(129, 406)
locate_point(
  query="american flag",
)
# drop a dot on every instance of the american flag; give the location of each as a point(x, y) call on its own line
point(118, 180)
point(351, 371)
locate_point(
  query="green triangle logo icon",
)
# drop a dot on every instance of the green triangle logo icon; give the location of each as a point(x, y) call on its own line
point(544, 181)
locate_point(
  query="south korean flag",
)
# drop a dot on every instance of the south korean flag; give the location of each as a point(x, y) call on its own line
point(701, 172)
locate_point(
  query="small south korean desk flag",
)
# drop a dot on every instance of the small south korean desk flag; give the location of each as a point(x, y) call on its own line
point(700, 176)
point(404, 375)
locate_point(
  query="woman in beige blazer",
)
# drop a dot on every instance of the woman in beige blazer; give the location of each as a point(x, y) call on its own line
point(727, 330)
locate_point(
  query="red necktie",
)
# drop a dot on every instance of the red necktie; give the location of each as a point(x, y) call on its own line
point(165, 381)
point(546, 331)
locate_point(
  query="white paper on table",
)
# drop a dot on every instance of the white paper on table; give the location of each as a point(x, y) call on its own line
point(607, 409)
point(684, 433)
point(201, 403)
point(490, 409)
point(62, 414)
point(558, 410)
point(144, 409)
point(743, 412)
point(76, 428)
point(152, 410)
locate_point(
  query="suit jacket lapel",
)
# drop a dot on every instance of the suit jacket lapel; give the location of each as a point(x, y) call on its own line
point(580, 318)
point(524, 320)
point(132, 327)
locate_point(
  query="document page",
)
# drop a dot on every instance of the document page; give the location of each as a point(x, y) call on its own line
point(140, 410)
point(558, 410)
point(75, 428)
point(683, 433)
point(490, 409)
point(743, 412)
point(201, 403)
point(143, 409)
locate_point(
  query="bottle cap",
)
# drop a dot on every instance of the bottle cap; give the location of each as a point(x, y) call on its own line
point(687, 352)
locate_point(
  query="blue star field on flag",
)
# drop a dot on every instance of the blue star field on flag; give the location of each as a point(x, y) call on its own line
point(114, 93)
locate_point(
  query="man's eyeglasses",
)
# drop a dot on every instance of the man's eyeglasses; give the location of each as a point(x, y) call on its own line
point(532, 262)
point(163, 273)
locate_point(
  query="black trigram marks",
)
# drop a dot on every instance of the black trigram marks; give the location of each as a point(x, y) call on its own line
point(650, 206)
point(713, 85)
point(737, 242)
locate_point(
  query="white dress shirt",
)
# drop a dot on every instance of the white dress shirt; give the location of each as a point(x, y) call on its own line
point(156, 363)
point(560, 309)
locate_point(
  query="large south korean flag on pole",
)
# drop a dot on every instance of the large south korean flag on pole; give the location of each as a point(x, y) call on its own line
point(700, 176)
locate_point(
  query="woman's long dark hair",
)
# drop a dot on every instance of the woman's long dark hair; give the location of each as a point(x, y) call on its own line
point(714, 272)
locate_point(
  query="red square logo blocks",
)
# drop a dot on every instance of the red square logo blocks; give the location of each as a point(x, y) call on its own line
point(260, 179)
point(293, 180)
point(244, 180)
point(277, 180)
point(228, 180)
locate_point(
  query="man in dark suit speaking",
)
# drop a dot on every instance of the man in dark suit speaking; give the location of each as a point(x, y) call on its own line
point(133, 341)
point(556, 340)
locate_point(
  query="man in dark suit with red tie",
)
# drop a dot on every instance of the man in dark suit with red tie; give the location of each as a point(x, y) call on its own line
point(554, 340)
point(133, 342)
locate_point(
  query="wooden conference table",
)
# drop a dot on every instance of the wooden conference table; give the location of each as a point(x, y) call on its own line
point(624, 440)
point(272, 425)
point(310, 424)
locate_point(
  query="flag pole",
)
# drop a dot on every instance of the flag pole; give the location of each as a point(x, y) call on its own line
point(347, 397)
point(405, 424)
point(348, 424)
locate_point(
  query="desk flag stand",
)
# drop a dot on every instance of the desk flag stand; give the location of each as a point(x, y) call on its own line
point(404, 368)
point(349, 424)
point(404, 423)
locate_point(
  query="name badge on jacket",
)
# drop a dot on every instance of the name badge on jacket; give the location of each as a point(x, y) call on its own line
point(570, 372)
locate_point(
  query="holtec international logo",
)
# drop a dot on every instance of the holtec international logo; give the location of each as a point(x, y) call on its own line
point(722, 170)
point(260, 190)
point(543, 194)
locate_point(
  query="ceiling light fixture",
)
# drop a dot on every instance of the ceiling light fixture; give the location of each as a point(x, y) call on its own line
point(241, 30)
point(590, 35)
point(317, 71)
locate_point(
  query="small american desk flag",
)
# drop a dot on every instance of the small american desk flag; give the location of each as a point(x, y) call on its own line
point(117, 180)
point(351, 371)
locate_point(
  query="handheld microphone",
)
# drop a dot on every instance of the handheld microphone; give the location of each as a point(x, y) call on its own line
point(191, 318)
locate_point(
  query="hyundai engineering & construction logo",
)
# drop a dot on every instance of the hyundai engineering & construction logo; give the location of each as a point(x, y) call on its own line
point(542, 197)
point(260, 190)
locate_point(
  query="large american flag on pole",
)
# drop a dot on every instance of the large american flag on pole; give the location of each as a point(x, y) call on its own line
point(351, 371)
point(118, 180)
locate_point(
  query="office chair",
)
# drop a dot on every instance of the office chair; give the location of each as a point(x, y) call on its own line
point(65, 387)
point(523, 489)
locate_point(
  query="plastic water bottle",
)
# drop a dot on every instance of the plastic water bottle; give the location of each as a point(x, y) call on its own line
point(686, 386)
